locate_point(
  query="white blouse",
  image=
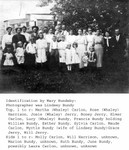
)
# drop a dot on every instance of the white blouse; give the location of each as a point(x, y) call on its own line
point(27, 36)
point(31, 48)
point(6, 39)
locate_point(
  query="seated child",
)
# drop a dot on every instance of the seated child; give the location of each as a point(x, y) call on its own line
point(20, 53)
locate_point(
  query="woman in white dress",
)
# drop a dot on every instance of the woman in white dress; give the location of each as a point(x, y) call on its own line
point(6, 41)
point(7, 38)
point(49, 36)
point(71, 38)
point(41, 45)
point(68, 57)
point(89, 39)
point(81, 41)
point(98, 45)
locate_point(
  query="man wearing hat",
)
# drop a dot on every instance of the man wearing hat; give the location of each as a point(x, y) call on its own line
point(7, 38)
point(118, 48)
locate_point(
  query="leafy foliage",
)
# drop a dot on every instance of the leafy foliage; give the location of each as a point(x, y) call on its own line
point(107, 14)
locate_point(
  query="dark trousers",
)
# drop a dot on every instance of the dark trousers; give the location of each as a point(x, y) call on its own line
point(54, 60)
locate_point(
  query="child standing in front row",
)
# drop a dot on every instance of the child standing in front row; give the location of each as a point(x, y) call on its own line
point(42, 46)
point(54, 55)
point(31, 49)
point(68, 57)
point(75, 57)
point(62, 59)
point(91, 54)
point(8, 56)
point(20, 53)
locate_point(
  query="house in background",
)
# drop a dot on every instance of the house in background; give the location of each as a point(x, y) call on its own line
point(40, 16)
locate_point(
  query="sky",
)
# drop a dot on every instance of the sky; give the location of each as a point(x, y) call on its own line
point(14, 9)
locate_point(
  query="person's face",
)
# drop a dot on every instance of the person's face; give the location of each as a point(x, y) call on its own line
point(69, 46)
point(63, 39)
point(84, 31)
point(74, 46)
point(9, 30)
point(79, 32)
point(8, 49)
point(106, 34)
point(63, 27)
point(24, 29)
point(71, 32)
point(20, 44)
point(50, 31)
point(91, 49)
point(32, 39)
point(45, 30)
point(89, 31)
point(98, 32)
point(18, 31)
point(34, 30)
point(117, 32)
point(54, 38)
point(40, 35)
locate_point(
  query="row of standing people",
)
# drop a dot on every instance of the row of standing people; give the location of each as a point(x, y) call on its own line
point(63, 47)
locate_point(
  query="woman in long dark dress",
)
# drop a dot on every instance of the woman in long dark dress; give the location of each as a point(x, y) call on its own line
point(17, 38)
point(35, 30)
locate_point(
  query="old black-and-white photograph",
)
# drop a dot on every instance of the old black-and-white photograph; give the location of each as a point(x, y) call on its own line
point(64, 46)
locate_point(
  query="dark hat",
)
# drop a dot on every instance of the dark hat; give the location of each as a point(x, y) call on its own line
point(35, 27)
point(18, 28)
point(8, 28)
point(24, 27)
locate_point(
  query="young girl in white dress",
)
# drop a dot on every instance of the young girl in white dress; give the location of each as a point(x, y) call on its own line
point(62, 59)
point(20, 53)
point(9, 57)
point(62, 46)
point(41, 45)
point(75, 56)
point(69, 57)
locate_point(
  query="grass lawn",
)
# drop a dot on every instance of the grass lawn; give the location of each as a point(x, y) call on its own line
point(39, 81)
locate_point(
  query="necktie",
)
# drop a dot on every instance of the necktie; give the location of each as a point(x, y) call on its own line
point(117, 38)
point(108, 42)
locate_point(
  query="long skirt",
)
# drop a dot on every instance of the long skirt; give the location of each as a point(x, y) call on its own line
point(81, 51)
point(99, 55)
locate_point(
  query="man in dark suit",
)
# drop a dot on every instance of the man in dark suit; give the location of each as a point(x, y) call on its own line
point(107, 48)
point(118, 48)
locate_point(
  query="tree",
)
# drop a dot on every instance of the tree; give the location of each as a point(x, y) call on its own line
point(107, 14)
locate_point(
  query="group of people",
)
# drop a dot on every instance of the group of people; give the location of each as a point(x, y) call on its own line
point(59, 49)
